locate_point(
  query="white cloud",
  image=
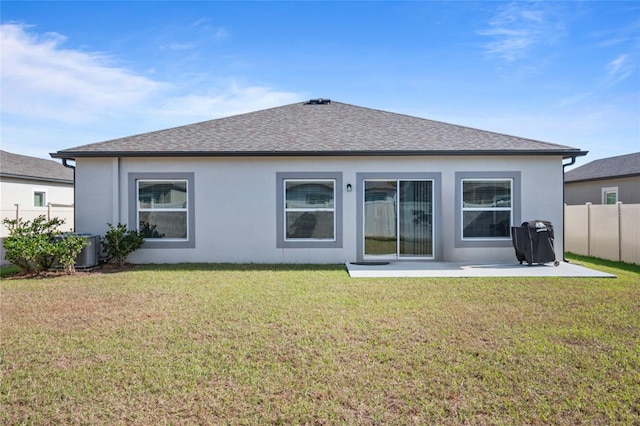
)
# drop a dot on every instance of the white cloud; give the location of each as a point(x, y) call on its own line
point(518, 28)
point(217, 33)
point(178, 46)
point(194, 35)
point(221, 33)
point(573, 100)
point(232, 100)
point(42, 79)
point(619, 69)
point(55, 97)
point(619, 34)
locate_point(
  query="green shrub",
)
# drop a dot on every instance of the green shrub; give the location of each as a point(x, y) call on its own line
point(33, 246)
point(118, 243)
point(68, 247)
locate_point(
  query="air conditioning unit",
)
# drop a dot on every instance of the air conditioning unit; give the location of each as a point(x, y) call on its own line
point(88, 257)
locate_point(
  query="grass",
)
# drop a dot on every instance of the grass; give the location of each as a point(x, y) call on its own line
point(8, 270)
point(256, 344)
point(604, 263)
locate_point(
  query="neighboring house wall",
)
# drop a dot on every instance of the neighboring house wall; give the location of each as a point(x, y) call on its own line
point(236, 215)
point(32, 187)
point(21, 192)
point(58, 202)
point(628, 190)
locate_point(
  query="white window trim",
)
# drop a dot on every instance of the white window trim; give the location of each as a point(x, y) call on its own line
point(133, 221)
point(485, 209)
point(184, 210)
point(609, 190)
point(516, 199)
point(283, 243)
point(308, 209)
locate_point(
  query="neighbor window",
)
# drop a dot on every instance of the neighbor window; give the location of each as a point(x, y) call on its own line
point(163, 209)
point(39, 198)
point(486, 208)
point(309, 210)
point(610, 195)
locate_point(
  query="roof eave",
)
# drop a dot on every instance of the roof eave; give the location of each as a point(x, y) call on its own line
point(72, 155)
point(599, 178)
point(37, 178)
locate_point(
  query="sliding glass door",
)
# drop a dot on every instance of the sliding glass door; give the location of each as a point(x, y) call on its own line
point(398, 219)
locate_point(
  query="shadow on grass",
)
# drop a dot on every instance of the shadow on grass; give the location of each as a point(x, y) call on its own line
point(9, 270)
point(603, 262)
point(238, 267)
point(13, 272)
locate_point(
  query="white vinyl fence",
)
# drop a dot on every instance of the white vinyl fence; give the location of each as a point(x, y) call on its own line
point(605, 231)
point(61, 211)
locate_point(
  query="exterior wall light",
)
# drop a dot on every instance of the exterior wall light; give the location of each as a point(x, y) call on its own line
point(348, 187)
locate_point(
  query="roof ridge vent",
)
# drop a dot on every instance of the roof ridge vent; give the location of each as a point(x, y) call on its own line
point(319, 101)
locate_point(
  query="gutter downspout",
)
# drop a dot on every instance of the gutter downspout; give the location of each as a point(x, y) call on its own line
point(564, 209)
point(69, 166)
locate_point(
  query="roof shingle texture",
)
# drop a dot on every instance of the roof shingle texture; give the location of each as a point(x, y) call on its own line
point(606, 168)
point(23, 166)
point(305, 129)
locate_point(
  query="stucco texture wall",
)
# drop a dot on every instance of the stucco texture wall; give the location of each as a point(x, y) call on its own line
point(21, 192)
point(591, 191)
point(236, 212)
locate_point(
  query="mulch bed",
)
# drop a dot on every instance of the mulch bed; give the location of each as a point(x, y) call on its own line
point(101, 268)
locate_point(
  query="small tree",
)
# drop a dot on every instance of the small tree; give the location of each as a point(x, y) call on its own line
point(118, 243)
point(33, 246)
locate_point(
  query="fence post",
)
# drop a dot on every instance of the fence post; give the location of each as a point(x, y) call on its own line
point(564, 232)
point(17, 211)
point(49, 211)
point(588, 229)
point(619, 219)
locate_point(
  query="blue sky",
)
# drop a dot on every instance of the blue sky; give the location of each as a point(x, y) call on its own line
point(81, 72)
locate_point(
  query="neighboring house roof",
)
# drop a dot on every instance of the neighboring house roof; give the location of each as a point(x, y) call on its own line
point(606, 168)
point(25, 167)
point(318, 127)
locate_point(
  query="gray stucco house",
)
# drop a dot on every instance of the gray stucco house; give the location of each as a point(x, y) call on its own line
point(320, 182)
point(605, 181)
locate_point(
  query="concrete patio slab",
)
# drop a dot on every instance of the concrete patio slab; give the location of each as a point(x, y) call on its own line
point(449, 269)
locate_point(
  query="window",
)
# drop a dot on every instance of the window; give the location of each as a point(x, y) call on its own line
point(162, 208)
point(487, 206)
point(610, 195)
point(308, 210)
point(39, 198)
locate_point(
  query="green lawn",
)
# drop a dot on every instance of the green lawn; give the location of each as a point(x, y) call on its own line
point(246, 344)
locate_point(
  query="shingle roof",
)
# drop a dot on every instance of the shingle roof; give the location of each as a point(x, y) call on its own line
point(606, 168)
point(22, 166)
point(331, 128)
